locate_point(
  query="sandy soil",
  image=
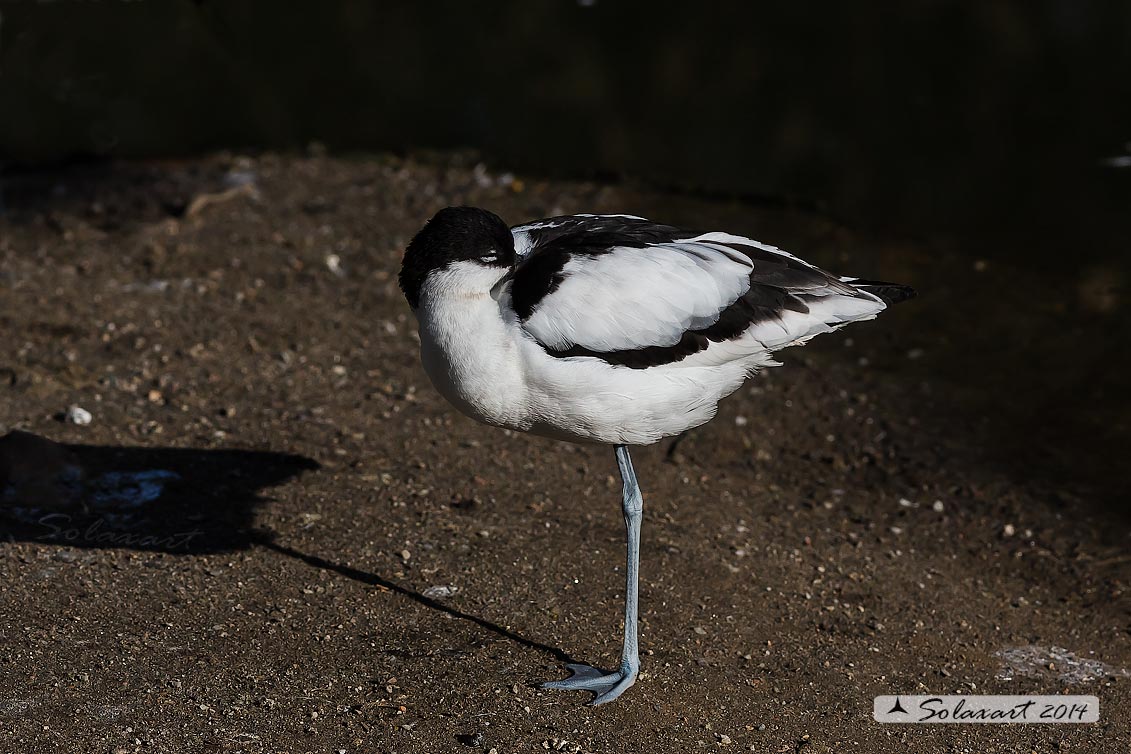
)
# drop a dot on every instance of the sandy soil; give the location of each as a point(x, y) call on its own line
point(344, 563)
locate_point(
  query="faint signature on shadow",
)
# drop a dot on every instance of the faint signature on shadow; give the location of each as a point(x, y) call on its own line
point(58, 528)
point(119, 496)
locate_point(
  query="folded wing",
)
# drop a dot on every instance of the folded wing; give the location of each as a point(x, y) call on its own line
point(640, 294)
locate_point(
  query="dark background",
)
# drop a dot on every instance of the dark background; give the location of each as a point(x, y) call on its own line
point(924, 116)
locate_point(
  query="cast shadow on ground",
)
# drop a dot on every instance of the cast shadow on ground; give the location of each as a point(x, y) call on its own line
point(176, 500)
point(265, 540)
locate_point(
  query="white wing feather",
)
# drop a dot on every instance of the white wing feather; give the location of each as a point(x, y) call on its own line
point(638, 297)
point(630, 298)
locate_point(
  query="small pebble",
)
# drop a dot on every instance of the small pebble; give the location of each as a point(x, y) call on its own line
point(937, 506)
point(471, 739)
point(1008, 530)
point(78, 415)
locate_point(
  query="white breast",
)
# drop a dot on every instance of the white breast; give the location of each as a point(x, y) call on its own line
point(467, 348)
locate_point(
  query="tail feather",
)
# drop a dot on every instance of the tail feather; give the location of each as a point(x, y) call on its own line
point(889, 293)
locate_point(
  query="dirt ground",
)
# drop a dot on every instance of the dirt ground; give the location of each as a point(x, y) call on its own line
point(922, 504)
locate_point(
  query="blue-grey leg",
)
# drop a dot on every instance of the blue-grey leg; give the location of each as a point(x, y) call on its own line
point(608, 686)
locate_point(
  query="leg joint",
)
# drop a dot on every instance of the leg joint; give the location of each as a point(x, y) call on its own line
point(633, 501)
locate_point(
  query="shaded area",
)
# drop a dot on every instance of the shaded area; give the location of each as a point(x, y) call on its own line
point(107, 194)
point(918, 114)
point(373, 579)
point(204, 501)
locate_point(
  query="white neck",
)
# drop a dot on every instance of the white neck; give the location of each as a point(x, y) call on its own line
point(467, 343)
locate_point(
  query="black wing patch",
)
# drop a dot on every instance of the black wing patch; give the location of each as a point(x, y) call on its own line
point(536, 277)
point(572, 231)
point(561, 238)
point(889, 293)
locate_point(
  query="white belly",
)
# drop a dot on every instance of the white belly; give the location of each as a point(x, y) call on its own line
point(588, 400)
point(478, 357)
point(474, 387)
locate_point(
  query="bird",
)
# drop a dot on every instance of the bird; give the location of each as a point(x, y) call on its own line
point(610, 329)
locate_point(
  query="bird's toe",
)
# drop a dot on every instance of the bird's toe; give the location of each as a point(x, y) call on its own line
point(606, 686)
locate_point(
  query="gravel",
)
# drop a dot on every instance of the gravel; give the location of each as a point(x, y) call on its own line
point(329, 504)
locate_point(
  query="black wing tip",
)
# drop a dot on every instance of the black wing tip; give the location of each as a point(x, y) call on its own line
point(889, 293)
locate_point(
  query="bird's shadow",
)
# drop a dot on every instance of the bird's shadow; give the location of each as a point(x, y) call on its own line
point(176, 500)
point(265, 540)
